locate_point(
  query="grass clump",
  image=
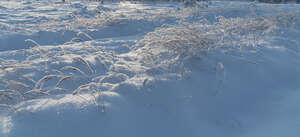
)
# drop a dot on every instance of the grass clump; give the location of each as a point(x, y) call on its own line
point(176, 43)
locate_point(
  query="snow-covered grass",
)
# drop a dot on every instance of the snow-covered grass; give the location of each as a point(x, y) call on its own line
point(149, 69)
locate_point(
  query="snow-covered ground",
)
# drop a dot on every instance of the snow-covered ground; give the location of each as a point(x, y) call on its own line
point(151, 69)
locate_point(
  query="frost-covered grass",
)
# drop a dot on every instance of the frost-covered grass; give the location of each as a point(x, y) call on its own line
point(148, 69)
point(175, 43)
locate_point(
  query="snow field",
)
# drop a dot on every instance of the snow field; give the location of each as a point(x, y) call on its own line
point(150, 70)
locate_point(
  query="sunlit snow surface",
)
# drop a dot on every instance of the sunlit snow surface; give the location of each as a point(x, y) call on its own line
point(149, 69)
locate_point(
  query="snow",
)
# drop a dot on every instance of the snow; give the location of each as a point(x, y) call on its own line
point(145, 69)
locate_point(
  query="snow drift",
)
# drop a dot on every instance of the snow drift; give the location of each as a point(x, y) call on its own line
point(153, 70)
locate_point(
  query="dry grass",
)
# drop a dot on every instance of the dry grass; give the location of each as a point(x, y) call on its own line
point(13, 84)
point(100, 60)
point(84, 34)
point(57, 89)
point(84, 63)
point(74, 69)
point(62, 80)
point(44, 79)
point(40, 91)
point(77, 91)
point(10, 91)
point(32, 41)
